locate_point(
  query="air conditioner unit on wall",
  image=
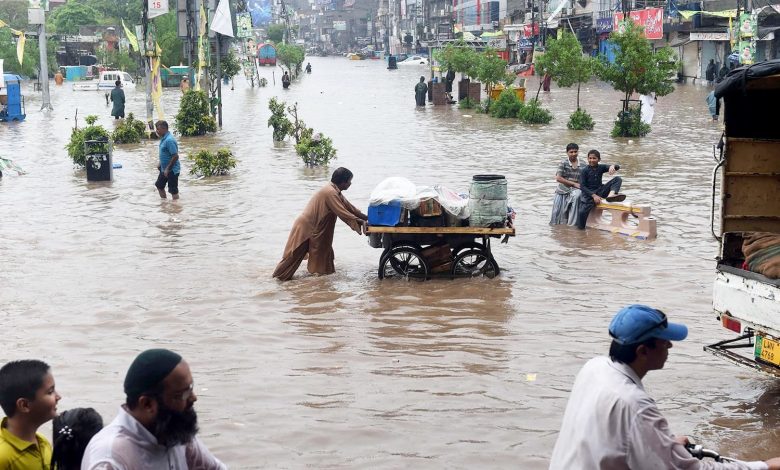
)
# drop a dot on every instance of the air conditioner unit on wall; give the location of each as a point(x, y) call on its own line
point(528, 17)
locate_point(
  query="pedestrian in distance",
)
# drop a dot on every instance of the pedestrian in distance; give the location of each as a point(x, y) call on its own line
point(713, 105)
point(724, 70)
point(157, 426)
point(420, 92)
point(567, 193)
point(29, 399)
point(611, 422)
point(709, 74)
point(71, 432)
point(312, 231)
point(169, 167)
point(592, 191)
point(184, 85)
point(285, 80)
point(308, 67)
point(118, 98)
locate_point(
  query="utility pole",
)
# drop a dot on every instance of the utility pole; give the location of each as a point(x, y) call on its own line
point(147, 65)
point(219, 82)
point(44, 73)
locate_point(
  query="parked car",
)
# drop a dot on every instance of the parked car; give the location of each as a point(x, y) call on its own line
point(414, 60)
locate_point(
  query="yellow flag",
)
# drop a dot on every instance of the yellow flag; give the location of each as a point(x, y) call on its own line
point(203, 19)
point(157, 82)
point(131, 38)
point(2, 23)
point(732, 38)
point(20, 48)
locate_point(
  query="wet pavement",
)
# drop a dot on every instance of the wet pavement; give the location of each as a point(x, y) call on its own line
point(346, 371)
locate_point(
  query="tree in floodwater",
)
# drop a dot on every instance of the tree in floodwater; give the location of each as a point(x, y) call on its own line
point(568, 66)
point(637, 68)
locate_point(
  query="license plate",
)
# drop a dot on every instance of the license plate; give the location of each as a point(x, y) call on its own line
point(768, 350)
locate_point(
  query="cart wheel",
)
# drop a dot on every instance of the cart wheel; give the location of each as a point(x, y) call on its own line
point(474, 263)
point(403, 262)
point(466, 246)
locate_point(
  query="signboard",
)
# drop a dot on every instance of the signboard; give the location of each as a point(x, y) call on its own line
point(747, 52)
point(652, 19)
point(530, 30)
point(603, 25)
point(747, 25)
point(36, 16)
point(339, 25)
point(157, 8)
point(497, 43)
point(709, 36)
point(244, 25)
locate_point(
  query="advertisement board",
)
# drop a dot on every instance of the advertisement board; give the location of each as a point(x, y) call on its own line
point(652, 19)
point(339, 25)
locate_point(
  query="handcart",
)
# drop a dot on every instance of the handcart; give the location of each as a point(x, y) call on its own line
point(418, 253)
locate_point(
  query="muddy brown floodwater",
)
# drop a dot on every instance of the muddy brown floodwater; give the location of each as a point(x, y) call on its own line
point(346, 371)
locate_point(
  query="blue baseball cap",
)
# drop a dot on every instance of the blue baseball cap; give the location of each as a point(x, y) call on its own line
point(637, 323)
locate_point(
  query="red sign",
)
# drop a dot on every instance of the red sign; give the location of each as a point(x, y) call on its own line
point(652, 19)
point(530, 30)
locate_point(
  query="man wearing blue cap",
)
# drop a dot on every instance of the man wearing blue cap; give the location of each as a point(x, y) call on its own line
point(157, 426)
point(611, 422)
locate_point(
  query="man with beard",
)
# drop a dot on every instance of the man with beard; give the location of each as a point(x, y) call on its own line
point(156, 427)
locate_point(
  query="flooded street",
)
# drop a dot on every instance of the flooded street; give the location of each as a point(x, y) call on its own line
point(347, 371)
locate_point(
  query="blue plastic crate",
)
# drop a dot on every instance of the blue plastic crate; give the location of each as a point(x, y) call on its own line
point(385, 214)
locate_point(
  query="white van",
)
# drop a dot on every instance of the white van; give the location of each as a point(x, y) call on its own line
point(106, 82)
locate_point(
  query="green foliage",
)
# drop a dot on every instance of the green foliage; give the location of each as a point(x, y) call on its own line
point(467, 103)
point(75, 146)
point(580, 120)
point(315, 149)
point(230, 65)
point(129, 131)
point(291, 57)
point(507, 105)
point(278, 120)
point(491, 69)
point(637, 68)
point(458, 56)
point(565, 62)
point(193, 117)
point(14, 13)
point(629, 124)
point(206, 163)
point(68, 18)
point(533, 113)
point(275, 33)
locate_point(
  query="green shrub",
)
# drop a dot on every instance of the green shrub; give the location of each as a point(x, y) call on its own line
point(129, 131)
point(206, 163)
point(278, 120)
point(193, 117)
point(467, 103)
point(507, 105)
point(629, 124)
point(315, 149)
point(580, 120)
point(533, 113)
point(75, 146)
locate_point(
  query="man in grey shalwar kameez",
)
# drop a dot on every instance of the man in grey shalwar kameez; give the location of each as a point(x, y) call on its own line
point(567, 193)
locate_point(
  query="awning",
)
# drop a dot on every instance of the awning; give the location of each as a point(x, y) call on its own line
point(680, 43)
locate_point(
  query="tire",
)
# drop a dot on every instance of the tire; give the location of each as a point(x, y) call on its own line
point(474, 263)
point(403, 262)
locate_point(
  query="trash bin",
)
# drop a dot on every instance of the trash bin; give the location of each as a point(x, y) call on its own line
point(98, 160)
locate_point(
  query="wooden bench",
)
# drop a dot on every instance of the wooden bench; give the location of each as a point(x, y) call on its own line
point(644, 227)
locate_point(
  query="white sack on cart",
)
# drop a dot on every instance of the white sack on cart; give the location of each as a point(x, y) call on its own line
point(395, 188)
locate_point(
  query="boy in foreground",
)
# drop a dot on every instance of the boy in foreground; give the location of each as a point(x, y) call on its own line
point(28, 399)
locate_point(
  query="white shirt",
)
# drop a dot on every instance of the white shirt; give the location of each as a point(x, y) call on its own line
point(126, 444)
point(611, 423)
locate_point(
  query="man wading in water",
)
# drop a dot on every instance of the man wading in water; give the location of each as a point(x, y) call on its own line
point(312, 231)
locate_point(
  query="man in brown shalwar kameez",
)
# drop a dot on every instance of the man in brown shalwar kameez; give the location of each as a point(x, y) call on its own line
point(312, 232)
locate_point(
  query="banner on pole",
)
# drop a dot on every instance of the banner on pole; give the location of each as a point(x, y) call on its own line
point(20, 48)
point(223, 22)
point(132, 38)
point(651, 19)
